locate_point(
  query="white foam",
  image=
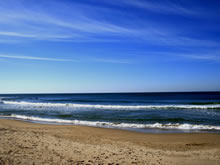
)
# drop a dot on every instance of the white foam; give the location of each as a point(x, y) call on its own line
point(98, 106)
point(119, 125)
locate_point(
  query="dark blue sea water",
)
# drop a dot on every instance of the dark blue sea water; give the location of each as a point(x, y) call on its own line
point(146, 112)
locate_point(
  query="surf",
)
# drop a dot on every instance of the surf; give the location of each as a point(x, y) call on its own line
point(156, 125)
point(110, 106)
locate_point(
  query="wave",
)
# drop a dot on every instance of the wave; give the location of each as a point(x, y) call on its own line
point(91, 101)
point(117, 125)
point(99, 106)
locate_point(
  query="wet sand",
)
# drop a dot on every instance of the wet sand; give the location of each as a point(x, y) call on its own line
point(30, 143)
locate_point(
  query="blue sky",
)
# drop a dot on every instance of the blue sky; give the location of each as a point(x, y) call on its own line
point(109, 46)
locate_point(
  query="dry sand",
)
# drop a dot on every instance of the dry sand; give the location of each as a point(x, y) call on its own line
point(29, 143)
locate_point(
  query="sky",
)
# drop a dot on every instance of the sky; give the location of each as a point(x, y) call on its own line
point(83, 46)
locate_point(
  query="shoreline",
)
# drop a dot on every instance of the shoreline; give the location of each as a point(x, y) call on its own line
point(153, 130)
point(24, 142)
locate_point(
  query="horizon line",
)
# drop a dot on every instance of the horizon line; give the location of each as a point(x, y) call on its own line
point(115, 92)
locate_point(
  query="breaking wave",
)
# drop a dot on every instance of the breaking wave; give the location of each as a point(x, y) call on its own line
point(117, 125)
point(99, 106)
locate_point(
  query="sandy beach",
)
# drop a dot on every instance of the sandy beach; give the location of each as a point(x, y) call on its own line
point(31, 143)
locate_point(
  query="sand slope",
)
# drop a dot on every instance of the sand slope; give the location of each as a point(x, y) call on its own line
point(28, 143)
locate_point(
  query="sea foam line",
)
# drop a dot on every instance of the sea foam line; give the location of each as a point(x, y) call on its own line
point(99, 106)
point(117, 125)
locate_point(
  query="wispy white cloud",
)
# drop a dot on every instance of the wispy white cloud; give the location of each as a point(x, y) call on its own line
point(33, 36)
point(36, 58)
point(15, 34)
point(22, 21)
point(38, 22)
point(202, 57)
point(167, 7)
point(181, 55)
point(175, 40)
point(78, 60)
point(108, 60)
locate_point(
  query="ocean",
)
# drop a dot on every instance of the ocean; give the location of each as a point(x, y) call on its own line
point(173, 112)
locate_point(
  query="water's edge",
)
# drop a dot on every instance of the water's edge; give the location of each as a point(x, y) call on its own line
point(140, 130)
